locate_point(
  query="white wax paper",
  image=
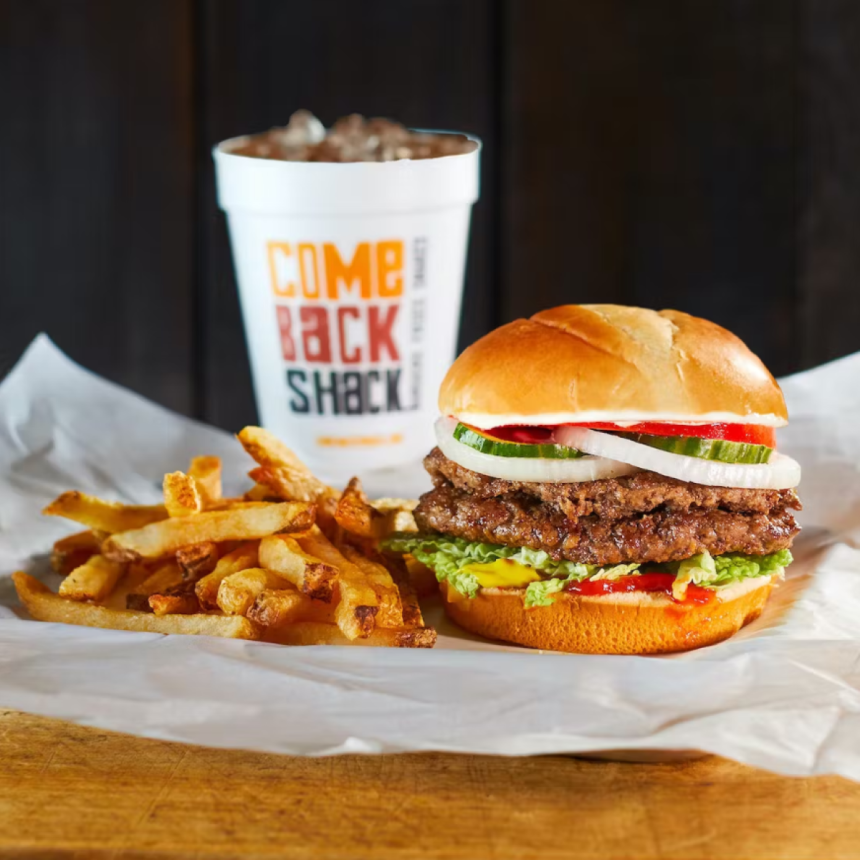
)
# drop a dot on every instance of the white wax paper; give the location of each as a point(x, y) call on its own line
point(784, 694)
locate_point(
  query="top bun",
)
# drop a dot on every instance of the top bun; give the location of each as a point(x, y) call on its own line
point(590, 363)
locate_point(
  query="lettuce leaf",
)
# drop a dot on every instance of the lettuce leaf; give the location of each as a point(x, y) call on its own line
point(722, 571)
point(447, 556)
point(540, 593)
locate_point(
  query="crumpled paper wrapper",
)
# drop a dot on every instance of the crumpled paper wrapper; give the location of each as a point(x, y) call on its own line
point(784, 694)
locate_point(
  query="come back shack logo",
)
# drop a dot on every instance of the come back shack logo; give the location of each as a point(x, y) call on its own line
point(339, 318)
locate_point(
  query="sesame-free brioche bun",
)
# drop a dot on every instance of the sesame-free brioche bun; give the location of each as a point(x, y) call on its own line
point(590, 363)
point(635, 623)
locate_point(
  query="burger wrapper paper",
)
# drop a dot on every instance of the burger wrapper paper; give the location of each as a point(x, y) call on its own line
point(784, 694)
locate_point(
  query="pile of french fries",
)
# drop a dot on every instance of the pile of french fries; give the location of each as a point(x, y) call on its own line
point(293, 561)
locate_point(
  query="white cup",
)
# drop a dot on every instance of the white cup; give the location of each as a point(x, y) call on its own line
point(350, 277)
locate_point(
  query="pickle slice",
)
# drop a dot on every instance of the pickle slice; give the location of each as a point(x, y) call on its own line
point(705, 449)
point(503, 448)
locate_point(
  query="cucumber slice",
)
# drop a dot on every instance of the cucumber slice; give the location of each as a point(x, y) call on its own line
point(705, 449)
point(502, 448)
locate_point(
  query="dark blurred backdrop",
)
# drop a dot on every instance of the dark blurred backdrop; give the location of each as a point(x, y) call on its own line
point(696, 154)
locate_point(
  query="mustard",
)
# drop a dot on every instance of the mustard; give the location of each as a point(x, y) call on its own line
point(503, 573)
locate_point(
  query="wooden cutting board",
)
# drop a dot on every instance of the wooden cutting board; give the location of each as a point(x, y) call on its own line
point(68, 791)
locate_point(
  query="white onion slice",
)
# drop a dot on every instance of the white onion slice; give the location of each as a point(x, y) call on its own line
point(779, 473)
point(526, 468)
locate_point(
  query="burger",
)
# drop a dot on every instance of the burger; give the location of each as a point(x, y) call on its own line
point(606, 481)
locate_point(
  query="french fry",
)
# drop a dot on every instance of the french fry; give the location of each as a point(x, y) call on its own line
point(158, 539)
point(238, 591)
point(206, 472)
point(72, 551)
point(260, 493)
point(355, 514)
point(93, 580)
point(321, 633)
point(181, 496)
point(358, 606)
point(241, 558)
point(390, 612)
point(163, 578)
point(285, 474)
point(398, 514)
point(387, 505)
point(286, 483)
point(283, 554)
point(44, 605)
point(423, 578)
point(276, 607)
point(110, 517)
point(268, 450)
point(179, 600)
point(233, 504)
point(399, 521)
point(198, 559)
point(410, 607)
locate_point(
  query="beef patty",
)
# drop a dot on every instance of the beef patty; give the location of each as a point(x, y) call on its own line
point(638, 518)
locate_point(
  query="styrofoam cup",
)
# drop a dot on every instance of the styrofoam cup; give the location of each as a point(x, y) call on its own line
point(350, 277)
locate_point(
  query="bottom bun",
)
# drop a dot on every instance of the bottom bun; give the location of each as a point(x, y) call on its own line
point(613, 624)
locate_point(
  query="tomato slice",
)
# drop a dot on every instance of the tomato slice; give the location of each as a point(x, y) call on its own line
point(525, 435)
point(755, 434)
point(650, 582)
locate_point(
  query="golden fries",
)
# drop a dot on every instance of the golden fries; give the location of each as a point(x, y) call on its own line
point(93, 580)
point(44, 605)
point(198, 559)
point(178, 600)
point(398, 514)
point(268, 450)
point(355, 514)
point(72, 551)
point(390, 613)
point(238, 591)
point(373, 520)
point(292, 560)
point(242, 558)
point(110, 517)
point(421, 577)
point(158, 539)
point(320, 633)
point(260, 493)
point(276, 607)
point(285, 475)
point(307, 573)
point(286, 483)
point(410, 607)
point(206, 472)
point(162, 579)
point(358, 606)
point(181, 496)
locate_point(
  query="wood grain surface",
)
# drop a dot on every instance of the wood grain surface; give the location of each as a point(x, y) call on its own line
point(68, 791)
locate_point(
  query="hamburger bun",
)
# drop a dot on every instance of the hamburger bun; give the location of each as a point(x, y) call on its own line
point(593, 363)
point(634, 623)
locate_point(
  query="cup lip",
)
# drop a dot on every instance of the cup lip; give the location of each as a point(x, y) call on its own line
point(221, 150)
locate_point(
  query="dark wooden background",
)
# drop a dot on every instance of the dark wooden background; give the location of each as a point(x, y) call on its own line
point(698, 154)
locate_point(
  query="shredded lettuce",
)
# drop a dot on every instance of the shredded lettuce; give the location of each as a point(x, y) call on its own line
point(466, 583)
point(447, 556)
point(540, 593)
point(722, 571)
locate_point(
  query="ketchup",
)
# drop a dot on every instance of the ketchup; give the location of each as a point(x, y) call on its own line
point(650, 582)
